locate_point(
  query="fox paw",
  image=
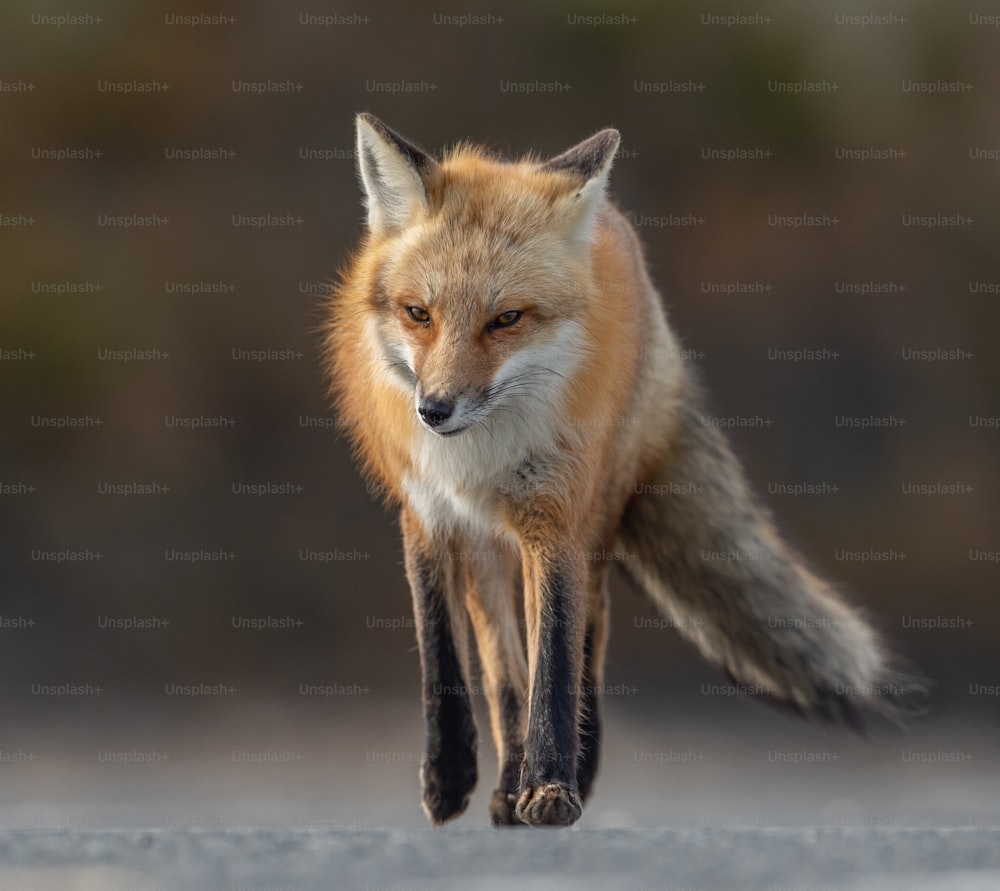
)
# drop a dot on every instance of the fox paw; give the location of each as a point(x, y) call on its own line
point(552, 804)
point(502, 806)
point(447, 791)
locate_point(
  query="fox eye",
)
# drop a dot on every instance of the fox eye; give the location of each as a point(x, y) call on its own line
point(506, 319)
point(418, 314)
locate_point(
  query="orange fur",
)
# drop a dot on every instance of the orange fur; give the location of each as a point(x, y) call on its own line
point(480, 208)
point(546, 473)
point(506, 373)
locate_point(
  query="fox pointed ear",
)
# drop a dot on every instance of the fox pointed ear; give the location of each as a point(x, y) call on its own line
point(394, 175)
point(590, 162)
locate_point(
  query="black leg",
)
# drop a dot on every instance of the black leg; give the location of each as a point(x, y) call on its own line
point(549, 792)
point(448, 772)
point(590, 718)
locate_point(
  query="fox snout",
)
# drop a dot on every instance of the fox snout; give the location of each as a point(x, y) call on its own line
point(444, 413)
point(435, 410)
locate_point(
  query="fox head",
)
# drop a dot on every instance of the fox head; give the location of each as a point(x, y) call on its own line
point(480, 271)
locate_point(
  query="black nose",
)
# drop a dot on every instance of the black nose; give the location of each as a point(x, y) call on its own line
point(436, 411)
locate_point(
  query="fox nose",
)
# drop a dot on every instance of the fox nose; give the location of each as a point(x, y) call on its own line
point(435, 411)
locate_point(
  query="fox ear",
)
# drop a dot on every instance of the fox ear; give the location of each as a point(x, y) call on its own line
point(590, 162)
point(394, 175)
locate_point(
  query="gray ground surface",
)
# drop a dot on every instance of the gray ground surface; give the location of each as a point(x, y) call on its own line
point(749, 802)
point(290, 858)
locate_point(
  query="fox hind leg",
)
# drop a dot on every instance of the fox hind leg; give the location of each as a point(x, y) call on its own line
point(491, 588)
point(594, 645)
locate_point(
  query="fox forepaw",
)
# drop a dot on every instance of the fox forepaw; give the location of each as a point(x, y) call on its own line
point(447, 788)
point(551, 804)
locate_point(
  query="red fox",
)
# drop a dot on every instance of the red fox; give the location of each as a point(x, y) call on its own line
point(506, 371)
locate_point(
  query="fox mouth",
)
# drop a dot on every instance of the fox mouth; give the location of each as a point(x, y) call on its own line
point(454, 432)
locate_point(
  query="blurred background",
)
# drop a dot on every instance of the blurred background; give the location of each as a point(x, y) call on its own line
point(204, 617)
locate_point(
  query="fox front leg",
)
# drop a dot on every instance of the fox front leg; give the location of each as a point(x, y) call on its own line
point(448, 771)
point(555, 612)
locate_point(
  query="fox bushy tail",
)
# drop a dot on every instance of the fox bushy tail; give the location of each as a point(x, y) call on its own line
point(708, 555)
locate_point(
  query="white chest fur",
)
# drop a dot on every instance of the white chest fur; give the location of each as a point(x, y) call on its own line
point(462, 481)
point(459, 483)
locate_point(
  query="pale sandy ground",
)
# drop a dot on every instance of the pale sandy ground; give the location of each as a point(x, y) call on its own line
point(756, 802)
